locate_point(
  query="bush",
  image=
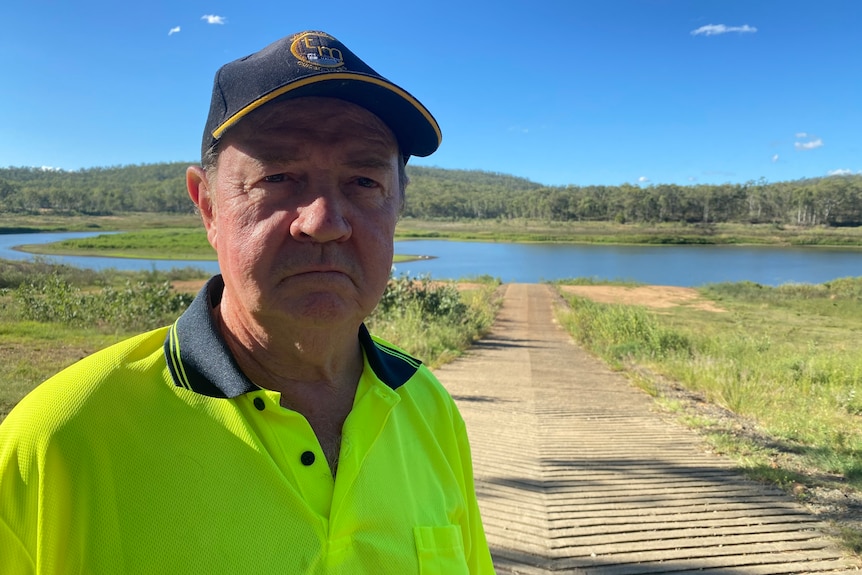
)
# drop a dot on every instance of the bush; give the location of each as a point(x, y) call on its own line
point(434, 321)
point(15, 273)
point(141, 305)
point(442, 301)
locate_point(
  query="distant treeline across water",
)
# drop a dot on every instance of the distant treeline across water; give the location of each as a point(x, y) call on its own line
point(436, 193)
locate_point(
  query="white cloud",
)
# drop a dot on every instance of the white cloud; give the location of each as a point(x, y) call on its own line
point(801, 134)
point(213, 19)
point(716, 29)
point(841, 173)
point(173, 30)
point(808, 145)
point(774, 158)
point(643, 179)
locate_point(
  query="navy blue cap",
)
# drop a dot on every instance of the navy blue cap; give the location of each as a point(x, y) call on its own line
point(316, 64)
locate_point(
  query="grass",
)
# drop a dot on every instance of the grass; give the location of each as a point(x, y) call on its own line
point(787, 360)
point(76, 223)
point(852, 539)
point(30, 352)
point(170, 243)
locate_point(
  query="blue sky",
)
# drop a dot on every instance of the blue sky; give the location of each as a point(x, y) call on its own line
point(559, 92)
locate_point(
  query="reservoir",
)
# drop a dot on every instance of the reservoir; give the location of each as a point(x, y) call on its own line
point(687, 266)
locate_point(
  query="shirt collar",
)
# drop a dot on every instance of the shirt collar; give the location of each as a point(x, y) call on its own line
point(199, 359)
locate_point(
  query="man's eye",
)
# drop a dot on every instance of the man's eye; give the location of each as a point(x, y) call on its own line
point(366, 182)
point(275, 178)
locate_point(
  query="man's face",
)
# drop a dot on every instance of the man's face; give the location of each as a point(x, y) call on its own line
point(305, 200)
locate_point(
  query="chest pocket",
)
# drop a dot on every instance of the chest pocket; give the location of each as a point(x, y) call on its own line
point(440, 550)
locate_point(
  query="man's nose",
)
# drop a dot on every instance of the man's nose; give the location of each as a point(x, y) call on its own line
point(322, 219)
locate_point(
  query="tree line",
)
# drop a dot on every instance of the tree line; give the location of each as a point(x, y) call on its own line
point(830, 201)
point(95, 191)
point(436, 193)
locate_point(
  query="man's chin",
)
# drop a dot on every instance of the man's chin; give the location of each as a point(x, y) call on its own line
point(323, 307)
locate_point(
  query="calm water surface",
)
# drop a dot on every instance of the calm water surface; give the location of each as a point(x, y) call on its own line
point(661, 265)
point(9, 241)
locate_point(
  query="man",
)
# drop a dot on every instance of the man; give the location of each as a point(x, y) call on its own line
point(265, 431)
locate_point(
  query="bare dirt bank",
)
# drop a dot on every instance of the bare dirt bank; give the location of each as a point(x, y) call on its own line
point(658, 297)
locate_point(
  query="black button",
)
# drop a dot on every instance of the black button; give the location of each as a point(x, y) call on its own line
point(259, 404)
point(307, 458)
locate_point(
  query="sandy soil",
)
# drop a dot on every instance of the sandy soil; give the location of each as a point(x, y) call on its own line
point(658, 297)
point(188, 286)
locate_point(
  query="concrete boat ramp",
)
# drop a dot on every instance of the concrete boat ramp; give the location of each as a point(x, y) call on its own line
point(577, 472)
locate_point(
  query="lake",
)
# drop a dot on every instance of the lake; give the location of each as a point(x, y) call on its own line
point(685, 266)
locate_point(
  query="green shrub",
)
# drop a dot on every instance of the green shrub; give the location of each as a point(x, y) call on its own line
point(434, 321)
point(141, 305)
point(432, 300)
point(14, 273)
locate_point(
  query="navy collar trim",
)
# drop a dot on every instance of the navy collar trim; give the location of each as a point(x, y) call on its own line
point(199, 359)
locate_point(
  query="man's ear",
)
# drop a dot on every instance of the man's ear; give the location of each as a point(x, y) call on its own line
point(202, 194)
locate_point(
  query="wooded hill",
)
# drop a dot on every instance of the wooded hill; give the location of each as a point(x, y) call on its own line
point(435, 193)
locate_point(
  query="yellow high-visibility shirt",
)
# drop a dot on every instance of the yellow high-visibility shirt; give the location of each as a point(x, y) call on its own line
point(157, 455)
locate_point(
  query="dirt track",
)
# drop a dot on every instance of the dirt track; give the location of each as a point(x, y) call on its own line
point(577, 473)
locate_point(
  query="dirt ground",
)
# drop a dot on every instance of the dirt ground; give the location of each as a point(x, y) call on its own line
point(659, 297)
point(188, 286)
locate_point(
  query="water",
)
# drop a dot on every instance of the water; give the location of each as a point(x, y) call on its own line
point(659, 265)
point(9, 241)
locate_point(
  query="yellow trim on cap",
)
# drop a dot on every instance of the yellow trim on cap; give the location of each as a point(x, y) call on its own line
point(217, 133)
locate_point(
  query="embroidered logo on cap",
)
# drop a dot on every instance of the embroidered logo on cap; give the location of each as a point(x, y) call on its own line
point(314, 49)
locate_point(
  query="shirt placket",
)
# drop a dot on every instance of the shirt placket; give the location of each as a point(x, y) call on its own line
point(291, 443)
